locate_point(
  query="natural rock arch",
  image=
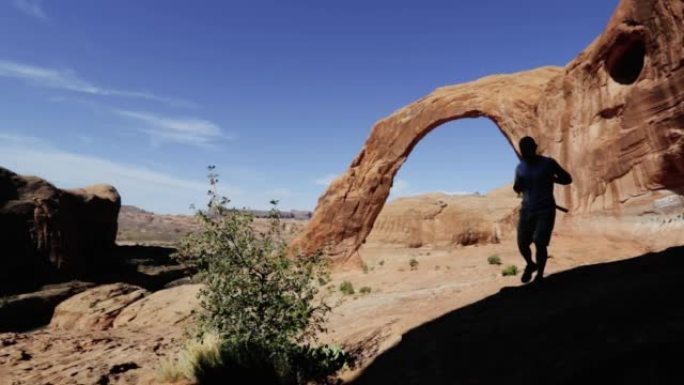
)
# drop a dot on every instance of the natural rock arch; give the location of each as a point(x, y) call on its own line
point(356, 198)
point(615, 119)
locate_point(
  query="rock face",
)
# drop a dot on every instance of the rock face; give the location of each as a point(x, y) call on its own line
point(614, 117)
point(47, 232)
point(445, 220)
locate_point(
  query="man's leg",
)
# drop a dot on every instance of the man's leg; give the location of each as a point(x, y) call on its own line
point(542, 256)
point(526, 227)
point(542, 237)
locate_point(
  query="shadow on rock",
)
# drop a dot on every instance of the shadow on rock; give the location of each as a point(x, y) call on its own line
point(149, 267)
point(619, 322)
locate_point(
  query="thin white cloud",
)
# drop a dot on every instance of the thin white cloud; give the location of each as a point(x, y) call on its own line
point(33, 8)
point(400, 186)
point(192, 131)
point(457, 192)
point(325, 180)
point(68, 80)
point(140, 186)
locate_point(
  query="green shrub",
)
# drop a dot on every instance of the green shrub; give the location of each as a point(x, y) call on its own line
point(413, 263)
point(198, 356)
point(210, 361)
point(259, 299)
point(365, 290)
point(510, 270)
point(347, 288)
point(494, 260)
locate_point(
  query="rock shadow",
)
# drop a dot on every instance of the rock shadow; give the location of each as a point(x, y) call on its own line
point(619, 323)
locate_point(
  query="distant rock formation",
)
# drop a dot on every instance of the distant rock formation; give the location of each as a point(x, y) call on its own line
point(446, 220)
point(47, 233)
point(614, 117)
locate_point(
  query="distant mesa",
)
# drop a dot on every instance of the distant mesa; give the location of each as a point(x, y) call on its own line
point(614, 117)
point(48, 234)
point(292, 214)
point(139, 226)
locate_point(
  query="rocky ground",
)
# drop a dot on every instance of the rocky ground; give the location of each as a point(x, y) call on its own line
point(119, 333)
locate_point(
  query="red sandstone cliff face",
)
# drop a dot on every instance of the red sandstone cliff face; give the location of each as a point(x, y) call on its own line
point(46, 232)
point(614, 117)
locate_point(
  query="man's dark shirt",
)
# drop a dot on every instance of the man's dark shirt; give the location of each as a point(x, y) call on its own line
point(535, 180)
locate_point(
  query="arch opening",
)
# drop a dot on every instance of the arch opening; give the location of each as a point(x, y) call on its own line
point(440, 195)
point(461, 156)
point(626, 58)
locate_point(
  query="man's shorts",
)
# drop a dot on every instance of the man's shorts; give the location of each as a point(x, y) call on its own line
point(536, 226)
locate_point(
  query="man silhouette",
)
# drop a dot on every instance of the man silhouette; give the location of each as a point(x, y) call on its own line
point(534, 178)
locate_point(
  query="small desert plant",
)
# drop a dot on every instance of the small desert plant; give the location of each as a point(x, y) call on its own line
point(197, 357)
point(365, 269)
point(365, 290)
point(347, 288)
point(259, 300)
point(381, 263)
point(494, 260)
point(413, 263)
point(510, 270)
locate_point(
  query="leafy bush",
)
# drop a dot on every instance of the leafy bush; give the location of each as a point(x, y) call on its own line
point(494, 260)
point(413, 263)
point(259, 299)
point(365, 290)
point(510, 270)
point(347, 288)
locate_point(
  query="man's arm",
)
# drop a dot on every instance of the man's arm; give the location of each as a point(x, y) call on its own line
point(560, 175)
point(518, 185)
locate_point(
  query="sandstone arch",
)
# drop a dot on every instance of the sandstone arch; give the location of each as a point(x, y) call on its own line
point(622, 137)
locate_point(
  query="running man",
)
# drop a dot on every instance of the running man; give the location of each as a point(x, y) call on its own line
point(534, 178)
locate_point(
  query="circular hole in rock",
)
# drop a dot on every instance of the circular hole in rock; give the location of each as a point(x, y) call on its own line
point(626, 58)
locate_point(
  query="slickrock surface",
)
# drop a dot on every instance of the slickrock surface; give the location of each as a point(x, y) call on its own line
point(95, 309)
point(110, 334)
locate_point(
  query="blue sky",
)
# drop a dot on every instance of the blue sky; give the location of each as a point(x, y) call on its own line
point(279, 95)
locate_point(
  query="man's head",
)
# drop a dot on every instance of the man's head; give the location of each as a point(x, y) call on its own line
point(528, 148)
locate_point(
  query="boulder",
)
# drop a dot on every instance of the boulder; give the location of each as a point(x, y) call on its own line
point(168, 307)
point(48, 233)
point(97, 308)
point(614, 117)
